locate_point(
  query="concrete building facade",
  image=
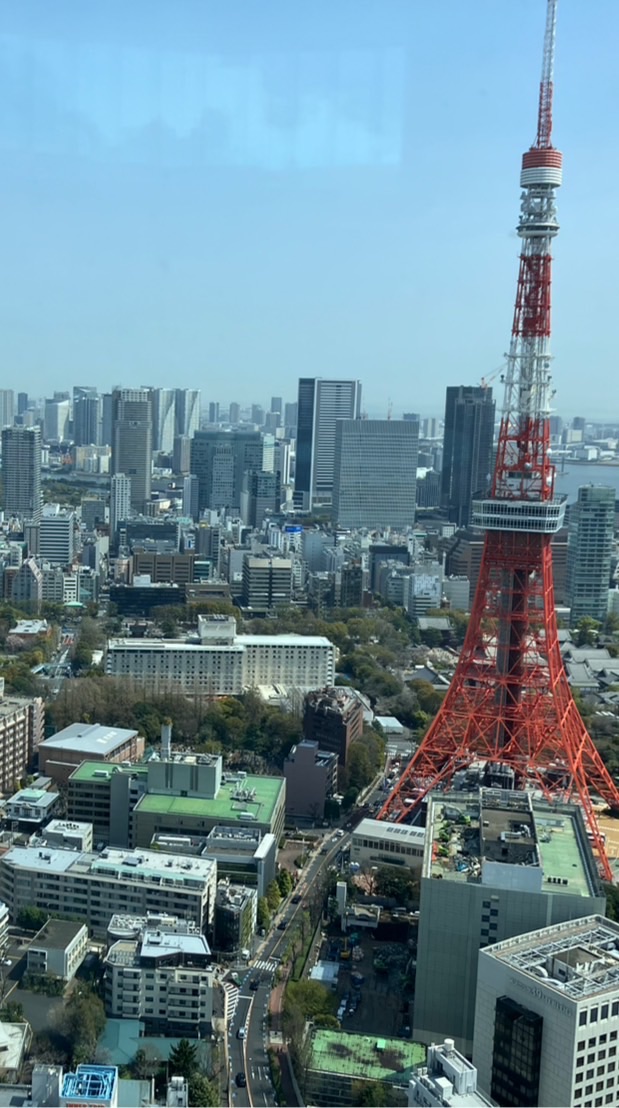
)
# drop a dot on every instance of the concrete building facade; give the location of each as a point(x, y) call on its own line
point(589, 550)
point(547, 1016)
point(58, 949)
point(496, 864)
point(22, 723)
point(333, 718)
point(80, 742)
point(21, 471)
point(321, 404)
point(311, 780)
point(375, 473)
point(132, 441)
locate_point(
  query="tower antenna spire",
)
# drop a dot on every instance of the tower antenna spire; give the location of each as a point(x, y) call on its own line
point(544, 114)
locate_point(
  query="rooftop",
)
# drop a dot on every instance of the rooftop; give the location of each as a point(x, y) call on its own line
point(449, 1078)
point(578, 959)
point(476, 836)
point(233, 802)
point(89, 771)
point(365, 1056)
point(157, 944)
point(380, 829)
point(93, 737)
point(36, 798)
point(142, 866)
point(30, 627)
point(56, 934)
point(94, 1083)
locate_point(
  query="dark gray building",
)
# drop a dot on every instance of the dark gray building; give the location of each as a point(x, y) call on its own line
point(261, 495)
point(589, 549)
point(21, 470)
point(321, 403)
point(86, 416)
point(468, 449)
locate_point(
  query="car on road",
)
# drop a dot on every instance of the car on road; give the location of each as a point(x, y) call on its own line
point(325, 850)
point(282, 925)
point(241, 1033)
point(296, 899)
point(254, 984)
point(241, 1080)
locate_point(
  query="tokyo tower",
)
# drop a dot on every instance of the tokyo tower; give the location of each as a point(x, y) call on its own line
point(509, 709)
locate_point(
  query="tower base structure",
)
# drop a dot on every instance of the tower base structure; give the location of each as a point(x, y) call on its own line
point(509, 709)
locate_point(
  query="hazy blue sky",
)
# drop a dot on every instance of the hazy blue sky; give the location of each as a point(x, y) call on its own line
point(233, 193)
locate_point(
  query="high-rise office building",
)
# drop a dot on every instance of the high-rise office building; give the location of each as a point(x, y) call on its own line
point(468, 451)
point(257, 414)
point(375, 473)
point(132, 438)
point(190, 496)
point(290, 419)
point(7, 407)
point(260, 495)
point(181, 454)
point(321, 403)
point(120, 501)
point(86, 416)
point(57, 535)
point(496, 863)
point(56, 420)
point(267, 582)
point(276, 404)
point(22, 402)
point(213, 412)
point(164, 419)
point(219, 460)
point(106, 419)
point(547, 1016)
point(589, 549)
point(187, 411)
point(234, 415)
point(21, 470)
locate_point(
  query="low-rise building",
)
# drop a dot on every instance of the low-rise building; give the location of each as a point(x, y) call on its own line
point(69, 835)
point(243, 854)
point(377, 843)
point(158, 970)
point(95, 887)
point(22, 722)
point(31, 806)
point(342, 1063)
point(59, 949)
point(547, 1016)
point(236, 910)
point(448, 1080)
point(311, 780)
point(80, 742)
point(105, 796)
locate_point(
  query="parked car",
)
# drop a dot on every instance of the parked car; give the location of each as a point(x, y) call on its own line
point(241, 1080)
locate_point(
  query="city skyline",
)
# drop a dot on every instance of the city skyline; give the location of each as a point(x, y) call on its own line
point(253, 207)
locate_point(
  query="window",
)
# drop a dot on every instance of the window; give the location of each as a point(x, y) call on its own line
point(593, 1015)
point(582, 1019)
point(604, 1012)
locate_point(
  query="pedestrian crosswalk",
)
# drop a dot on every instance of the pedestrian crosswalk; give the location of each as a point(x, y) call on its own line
point(231, 994)
point(268, 964)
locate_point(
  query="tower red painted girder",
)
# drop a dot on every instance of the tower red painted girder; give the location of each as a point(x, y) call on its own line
point(509, 705)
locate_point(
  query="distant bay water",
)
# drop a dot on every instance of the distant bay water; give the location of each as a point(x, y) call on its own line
point(586, 473)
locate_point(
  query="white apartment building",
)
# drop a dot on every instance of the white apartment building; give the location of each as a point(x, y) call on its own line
point(94, 887)
point(547, 1016)
point(219, 662)
point(21, 730)
point(158, 970)
point(56, 535)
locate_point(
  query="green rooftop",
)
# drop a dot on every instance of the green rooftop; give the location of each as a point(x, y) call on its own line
point(224, 808)
point(365, 1056)
point(89, 771)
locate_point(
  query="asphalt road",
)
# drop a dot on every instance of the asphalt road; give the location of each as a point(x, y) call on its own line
point(248, 1055)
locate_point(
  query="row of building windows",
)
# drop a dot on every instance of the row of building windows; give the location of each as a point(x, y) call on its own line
point(598, 1012)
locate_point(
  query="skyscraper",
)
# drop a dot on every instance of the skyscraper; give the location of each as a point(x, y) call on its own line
point(321, 403)
point(132, 437)
point(219, 460)
point(106, 419)
point(56, 422)
point(375, 473)
point(213, 412)
point(589, 550)
point(276, 404)
point(7, 407)
point(120, 501)
point(164, 419)
point(187, 411)
point(21, 470)
point(86, 416)
point(467, 453)
point(22, 402)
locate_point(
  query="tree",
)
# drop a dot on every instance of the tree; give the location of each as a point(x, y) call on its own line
point(183, 1059)
point(395, 882)
point(202, 1092)
point(82, 1021)
point(32, 919)
point(284, 882)
point(332, 809)
point(587, 631)
point(263, 916)
point(273, 896)
point(372, 1094)
point(311, 998)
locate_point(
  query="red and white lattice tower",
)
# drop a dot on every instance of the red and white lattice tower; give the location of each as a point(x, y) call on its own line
point(509, 705)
